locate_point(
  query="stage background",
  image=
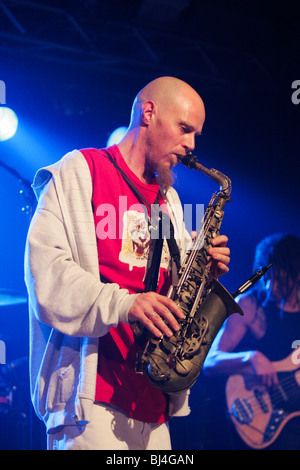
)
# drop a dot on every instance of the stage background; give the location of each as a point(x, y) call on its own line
point(71, 71)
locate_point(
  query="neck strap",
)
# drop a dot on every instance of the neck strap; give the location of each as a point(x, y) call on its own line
point(157, 241)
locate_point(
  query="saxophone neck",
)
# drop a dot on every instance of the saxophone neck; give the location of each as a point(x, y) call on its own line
point(190, 161)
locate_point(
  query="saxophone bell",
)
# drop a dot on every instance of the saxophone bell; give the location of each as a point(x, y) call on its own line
point(174, 373)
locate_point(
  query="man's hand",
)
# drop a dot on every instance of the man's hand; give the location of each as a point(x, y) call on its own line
point(219, 253)
point(156, 312)
point(264, 369)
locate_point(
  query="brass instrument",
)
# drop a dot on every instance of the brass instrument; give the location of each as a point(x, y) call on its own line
point(174, 364)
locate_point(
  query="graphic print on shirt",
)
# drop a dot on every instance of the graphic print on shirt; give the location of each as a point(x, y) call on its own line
point(136, 242)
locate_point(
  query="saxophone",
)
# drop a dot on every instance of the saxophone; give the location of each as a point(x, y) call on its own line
point(173, 364)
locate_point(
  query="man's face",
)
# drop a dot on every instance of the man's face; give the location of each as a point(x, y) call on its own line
point(172, 132)
point(285, 287)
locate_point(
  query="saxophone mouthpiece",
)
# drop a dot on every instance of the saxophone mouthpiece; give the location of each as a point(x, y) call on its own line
point(189, 160)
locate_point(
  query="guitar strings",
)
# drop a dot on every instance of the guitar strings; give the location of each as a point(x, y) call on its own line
point(291, 387)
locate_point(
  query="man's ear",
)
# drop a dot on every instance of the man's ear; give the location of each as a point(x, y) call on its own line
point(148, 109)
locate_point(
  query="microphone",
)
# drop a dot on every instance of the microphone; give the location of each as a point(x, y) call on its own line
point(252, 280)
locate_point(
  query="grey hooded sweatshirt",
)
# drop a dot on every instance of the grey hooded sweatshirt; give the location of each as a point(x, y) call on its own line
point(69, 306)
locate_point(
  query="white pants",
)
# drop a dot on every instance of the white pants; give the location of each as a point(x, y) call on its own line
point(111, 429)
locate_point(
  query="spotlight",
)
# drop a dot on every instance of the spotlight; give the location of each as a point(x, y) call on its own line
point(8, 123)
point(116, 136)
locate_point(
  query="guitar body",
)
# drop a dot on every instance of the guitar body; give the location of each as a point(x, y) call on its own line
point(259, 414)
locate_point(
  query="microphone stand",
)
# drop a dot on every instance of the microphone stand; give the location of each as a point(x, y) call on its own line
point(26, 190)
point(28, 208)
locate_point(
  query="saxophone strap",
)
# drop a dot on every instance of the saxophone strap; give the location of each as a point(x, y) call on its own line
point(157, 241)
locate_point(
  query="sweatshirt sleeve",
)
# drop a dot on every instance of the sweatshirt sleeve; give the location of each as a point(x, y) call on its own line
point(64, 294)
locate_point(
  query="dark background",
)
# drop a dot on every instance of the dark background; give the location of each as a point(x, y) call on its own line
point(72, 70)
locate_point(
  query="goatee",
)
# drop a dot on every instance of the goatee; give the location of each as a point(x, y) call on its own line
point(165, 178)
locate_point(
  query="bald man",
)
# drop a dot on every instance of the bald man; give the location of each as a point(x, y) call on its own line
point(87, 262)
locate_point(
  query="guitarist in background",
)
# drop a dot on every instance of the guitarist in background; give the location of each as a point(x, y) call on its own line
point(269, 329)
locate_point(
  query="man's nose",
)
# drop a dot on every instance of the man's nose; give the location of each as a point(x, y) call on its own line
point(189, 142)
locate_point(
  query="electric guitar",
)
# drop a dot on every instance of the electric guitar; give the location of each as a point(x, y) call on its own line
point(259, 414)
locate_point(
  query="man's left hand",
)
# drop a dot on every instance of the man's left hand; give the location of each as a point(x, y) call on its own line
point(219, 253)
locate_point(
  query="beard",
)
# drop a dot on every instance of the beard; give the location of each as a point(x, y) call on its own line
point(165, 177)
point(164, 174)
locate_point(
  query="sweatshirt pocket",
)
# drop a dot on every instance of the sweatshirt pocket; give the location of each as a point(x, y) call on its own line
point(63, 387)
point(66, 382)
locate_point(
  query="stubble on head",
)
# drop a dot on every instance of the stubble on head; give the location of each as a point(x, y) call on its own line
point(159, 101)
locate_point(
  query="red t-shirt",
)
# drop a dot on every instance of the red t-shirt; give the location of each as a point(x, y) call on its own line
point(123, 249)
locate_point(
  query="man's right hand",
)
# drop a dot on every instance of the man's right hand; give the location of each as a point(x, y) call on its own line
point(156, 312)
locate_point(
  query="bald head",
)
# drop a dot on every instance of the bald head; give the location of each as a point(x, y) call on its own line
point(165, 93)
point(166, 116)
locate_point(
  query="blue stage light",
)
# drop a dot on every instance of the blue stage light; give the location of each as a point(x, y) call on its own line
point(8, 123)
point(116, 136)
